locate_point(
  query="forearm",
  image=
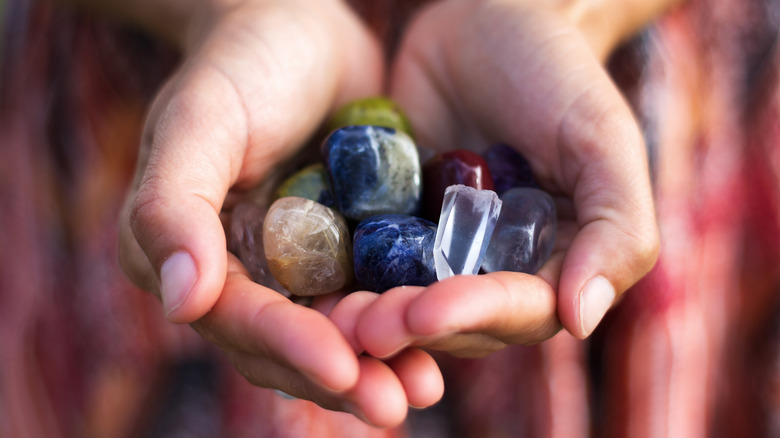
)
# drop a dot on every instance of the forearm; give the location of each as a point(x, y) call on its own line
point(607, 23)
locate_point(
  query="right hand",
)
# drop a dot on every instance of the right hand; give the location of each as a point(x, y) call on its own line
point(257, 79)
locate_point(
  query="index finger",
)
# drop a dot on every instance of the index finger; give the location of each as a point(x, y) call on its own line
point(258, 321)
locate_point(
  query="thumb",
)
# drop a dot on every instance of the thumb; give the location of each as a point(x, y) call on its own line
point(617, 238)
point(173, 215)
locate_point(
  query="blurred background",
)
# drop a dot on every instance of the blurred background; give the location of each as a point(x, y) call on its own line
point(692, 351)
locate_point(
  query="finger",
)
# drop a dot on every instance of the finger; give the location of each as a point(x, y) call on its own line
point(381, 327)
point(346, 313)
point(252, 319)
point(268, 373)
point(187, 175)
point(512, 307)
point(378, 398)
point(617, 241)
point(420, 376)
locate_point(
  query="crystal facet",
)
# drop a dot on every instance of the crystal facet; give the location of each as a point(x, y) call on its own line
point(450, 168)
point(509, 168)
point(246, 242)
point(374, 111)
point(307, 246)
point(372, 171)
point(525, 232)
point(468, 217)
point(394, 250)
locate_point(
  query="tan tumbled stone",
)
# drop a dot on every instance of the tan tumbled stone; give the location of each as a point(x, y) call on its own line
point(308, 246)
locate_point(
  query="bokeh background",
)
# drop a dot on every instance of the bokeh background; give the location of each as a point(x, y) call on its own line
point(692, 350)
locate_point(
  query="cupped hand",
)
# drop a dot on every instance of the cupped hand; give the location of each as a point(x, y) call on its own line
point(526, 73)
point(258, 78)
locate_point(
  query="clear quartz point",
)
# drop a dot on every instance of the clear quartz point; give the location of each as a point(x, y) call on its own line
point(468, 217)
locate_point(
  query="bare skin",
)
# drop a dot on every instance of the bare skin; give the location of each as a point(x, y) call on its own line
point(553, 101)
point(258, 78)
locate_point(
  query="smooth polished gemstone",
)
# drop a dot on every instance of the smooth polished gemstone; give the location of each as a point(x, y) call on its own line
point(468, 217)
point(372, 171)
point(451, 168)
point(525, 232)
point(509, 168)
point(246, 242)
point(394, 250)
point(374, 111)
point(307, 246)
point(311, 182)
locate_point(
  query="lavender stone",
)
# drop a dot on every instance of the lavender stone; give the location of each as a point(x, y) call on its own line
point(509, 168)
point(246, 242)
point(525, 232)
point(468, 217)
point(372, 171)
point(394, 250)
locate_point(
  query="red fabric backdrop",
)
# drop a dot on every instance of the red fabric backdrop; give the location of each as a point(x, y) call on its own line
point(692, 350)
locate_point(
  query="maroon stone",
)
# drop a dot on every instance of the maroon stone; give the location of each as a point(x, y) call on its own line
point(450, 168)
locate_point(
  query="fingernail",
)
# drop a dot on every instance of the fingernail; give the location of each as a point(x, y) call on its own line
point(177, 276)
point(595, 299)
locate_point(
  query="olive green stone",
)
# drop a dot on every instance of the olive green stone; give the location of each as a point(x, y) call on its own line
point(308, 246)
point(373, 111)
point(308, 183)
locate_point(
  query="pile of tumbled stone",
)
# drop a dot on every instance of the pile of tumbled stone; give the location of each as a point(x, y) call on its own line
point(370, 216)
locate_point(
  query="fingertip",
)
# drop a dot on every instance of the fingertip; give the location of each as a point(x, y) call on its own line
point(178, 275)
point(346, 313)
point(592, 303)
point(379, 398)
point(187, 291)
point(311, 343)
point(381, 329)
point(420, 376)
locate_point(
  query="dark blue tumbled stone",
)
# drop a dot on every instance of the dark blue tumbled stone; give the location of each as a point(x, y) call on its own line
point(373, 170)
point(394, 250)
point(509, 168)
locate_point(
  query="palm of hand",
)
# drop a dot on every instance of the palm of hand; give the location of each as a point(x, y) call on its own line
point(474, 73)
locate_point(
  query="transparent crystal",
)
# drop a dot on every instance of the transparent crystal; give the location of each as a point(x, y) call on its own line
point(468, 217)
point(525, 233)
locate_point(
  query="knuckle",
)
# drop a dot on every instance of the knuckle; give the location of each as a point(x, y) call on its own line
point(647, 246)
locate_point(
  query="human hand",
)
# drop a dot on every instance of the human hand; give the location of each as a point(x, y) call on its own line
point(258, 78)
point(473, 73)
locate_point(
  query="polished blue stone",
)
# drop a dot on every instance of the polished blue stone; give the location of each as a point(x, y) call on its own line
point(509, 168)
point(373, 170)
point(394, 250)
point(525, 233)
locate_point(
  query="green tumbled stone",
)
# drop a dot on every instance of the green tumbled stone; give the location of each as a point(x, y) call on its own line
point(374, 111)
point(308, 246)
point(311, 183)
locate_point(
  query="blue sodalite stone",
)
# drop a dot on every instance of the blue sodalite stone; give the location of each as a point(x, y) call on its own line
point(394, 250)
point(509, 168)
point(525, 233)
point(373, 170)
